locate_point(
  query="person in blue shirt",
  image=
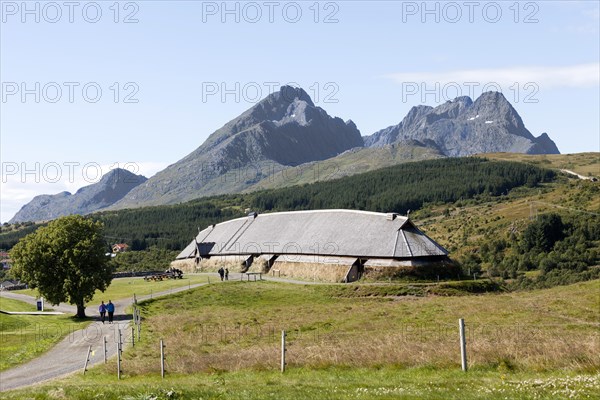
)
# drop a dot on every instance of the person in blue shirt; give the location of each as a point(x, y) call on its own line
point(110, 308)
point(102, 310)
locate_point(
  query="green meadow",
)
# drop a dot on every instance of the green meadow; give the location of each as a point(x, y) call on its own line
point(23, 337)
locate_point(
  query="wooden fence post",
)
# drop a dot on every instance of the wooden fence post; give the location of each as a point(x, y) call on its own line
point(162, 359)
point(283, 350)
point(87, 359)
point(463, 344)
point(119, 360)
point(120, 340)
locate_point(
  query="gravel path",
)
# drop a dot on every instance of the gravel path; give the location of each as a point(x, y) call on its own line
point(68, 356)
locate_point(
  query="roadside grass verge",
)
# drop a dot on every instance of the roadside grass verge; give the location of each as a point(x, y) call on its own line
point(122, 288)
point(237, 326)
point(24, 337)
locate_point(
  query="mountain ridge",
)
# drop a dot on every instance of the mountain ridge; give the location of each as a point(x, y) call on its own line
point(284, 129)
point(110, 188)
point(285, 133)
point(463, 127)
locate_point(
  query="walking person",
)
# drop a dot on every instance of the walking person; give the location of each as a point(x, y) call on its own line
point(110, 307)
point(221, 273)
point(102, 310)
point(226, 274)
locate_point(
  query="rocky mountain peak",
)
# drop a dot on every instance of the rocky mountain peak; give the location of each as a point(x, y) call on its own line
point(493, 106)
point(275, 106)
point(453, 108)
point(415, 114)
point(462, 127)
point(286, 129)
point(283, 129)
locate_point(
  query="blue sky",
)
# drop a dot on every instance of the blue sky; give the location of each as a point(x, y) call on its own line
point(165, 75)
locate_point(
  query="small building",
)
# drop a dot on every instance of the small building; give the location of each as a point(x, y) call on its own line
point(328, 245)
point(5, 260)
point(6, 284)
point(120, 247)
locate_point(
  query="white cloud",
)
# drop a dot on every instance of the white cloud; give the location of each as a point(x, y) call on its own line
point(574, 76)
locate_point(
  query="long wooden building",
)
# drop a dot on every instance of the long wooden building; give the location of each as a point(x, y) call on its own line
point(329, 245)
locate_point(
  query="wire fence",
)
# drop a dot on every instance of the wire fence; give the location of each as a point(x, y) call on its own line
point(128, 347)
point(212, 347)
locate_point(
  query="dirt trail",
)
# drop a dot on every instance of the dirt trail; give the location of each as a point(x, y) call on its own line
point(586, 178)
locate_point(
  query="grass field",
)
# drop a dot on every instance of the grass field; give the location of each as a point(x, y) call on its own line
point(352, 341)
point(237, 326)
point(123, 288)
point(23, 337)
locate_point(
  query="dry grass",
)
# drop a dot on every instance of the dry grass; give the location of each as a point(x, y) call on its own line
point(582, 163)
point(259, 265)
point(538, 348)
point(237, 326)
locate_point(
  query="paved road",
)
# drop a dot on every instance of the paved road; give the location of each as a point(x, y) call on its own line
point(69, 355)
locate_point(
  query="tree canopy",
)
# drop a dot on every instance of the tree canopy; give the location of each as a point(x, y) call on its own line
point(543, 233)
point(65, 260)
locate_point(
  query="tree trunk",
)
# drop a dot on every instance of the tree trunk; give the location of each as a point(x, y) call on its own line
point(80, 311)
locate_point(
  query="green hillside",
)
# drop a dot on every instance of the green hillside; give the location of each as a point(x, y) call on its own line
point(492, 235)
point(393, 189)
point(351, 162)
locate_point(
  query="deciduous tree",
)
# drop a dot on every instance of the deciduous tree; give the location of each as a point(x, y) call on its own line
point(64, 260)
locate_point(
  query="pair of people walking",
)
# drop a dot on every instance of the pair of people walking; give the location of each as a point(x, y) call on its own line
point(224, 273)
point(107, 308)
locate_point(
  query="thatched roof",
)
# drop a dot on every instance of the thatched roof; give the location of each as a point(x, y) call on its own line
point(344, 233)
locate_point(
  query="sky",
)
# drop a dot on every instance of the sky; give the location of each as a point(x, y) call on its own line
point(91, 86)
